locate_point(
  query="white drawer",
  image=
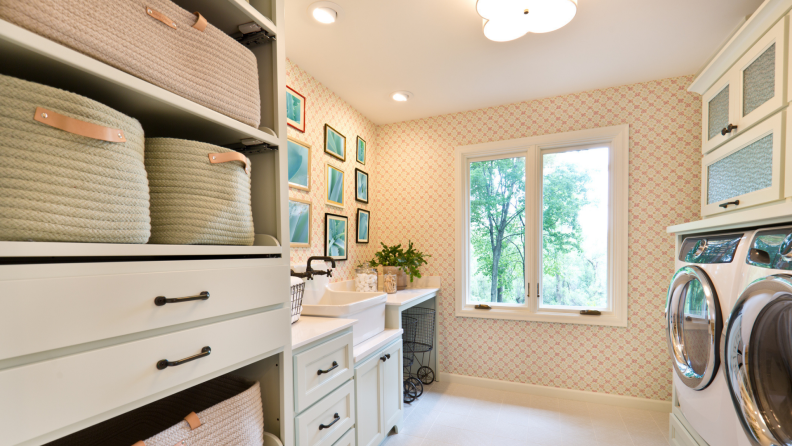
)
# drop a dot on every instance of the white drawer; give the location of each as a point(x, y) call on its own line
point(39, 398)
point(678, 435)
point(337, 408)
point(347, 440)
point(53, 306)
point(309, 385)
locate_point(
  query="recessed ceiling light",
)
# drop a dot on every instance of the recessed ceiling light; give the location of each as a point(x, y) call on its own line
point(402, 96)
point(325, 12)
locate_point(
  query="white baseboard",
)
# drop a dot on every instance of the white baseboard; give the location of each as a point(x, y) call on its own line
point(554, 392)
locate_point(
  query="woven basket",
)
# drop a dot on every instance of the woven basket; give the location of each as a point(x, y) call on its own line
point(196, 202)
point(60, 186)
point(208, 67)
point(229, 407)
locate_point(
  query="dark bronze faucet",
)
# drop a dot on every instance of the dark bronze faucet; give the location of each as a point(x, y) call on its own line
point(310, 272)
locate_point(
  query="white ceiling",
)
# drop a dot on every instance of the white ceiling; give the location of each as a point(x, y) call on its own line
point(436, 50)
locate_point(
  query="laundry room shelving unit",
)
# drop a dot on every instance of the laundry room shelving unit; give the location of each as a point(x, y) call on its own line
point(79, 331)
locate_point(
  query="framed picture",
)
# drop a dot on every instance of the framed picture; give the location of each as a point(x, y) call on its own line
point(334, 186)
point(336, 240)
point(295, 109)
point(299, 154)
point(335, 143)
point(363, 220)
point(299, 223)
point(361, 150)
point(361, 186)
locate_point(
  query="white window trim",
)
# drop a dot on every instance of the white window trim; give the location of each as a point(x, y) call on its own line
point(617, 138)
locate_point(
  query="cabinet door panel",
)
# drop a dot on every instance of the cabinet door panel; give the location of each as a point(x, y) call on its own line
point(718, 111)
point(746, 171)
point(393, 399)
point(369, 400)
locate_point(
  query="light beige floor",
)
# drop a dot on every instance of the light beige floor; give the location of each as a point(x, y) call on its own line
point(454, 414)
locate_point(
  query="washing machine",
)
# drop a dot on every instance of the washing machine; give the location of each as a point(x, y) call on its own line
point(757, 341)
point(699, 299)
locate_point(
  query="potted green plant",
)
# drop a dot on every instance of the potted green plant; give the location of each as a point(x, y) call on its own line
point(396, 260)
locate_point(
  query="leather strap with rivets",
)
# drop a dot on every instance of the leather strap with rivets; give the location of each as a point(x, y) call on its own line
point(78, 127)
point(216, 158)
point(160, 16)
point(200, 23)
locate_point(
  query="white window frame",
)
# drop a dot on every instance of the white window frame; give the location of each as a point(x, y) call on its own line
point(617, 139)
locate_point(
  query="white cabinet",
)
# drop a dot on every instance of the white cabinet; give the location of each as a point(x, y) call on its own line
point(347, 440)
point(378, 384)
point(369, 389)
point(321, 369)
point(754, 88)
point(746, 171)
point(393, 401)
point(329, 419)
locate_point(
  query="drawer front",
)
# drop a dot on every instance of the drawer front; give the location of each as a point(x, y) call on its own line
point(678, 435)
point(45, 396)
point(347, 440)
point(311, 424)
point(746, 171)
point(79, 303)
point(334, 357)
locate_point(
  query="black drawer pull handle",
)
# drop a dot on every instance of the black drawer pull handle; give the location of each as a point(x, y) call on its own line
point(326, 426)
point(725, 205)
point(728, 129)
point(162, 300)
point(164, 363)
point(335, 366)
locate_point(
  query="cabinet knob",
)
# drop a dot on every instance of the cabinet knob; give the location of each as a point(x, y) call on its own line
point(729, 129)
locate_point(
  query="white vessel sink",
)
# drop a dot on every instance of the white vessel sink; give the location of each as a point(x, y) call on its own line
point(342, 301)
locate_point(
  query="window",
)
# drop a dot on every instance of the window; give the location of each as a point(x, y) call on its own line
point(542, 228)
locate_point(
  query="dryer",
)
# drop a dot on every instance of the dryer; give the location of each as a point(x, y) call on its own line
point(698, 301)
point(757, 341)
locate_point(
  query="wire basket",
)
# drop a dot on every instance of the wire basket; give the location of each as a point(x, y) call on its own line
point(297, 291)
point(409, 325)
point(419, 336)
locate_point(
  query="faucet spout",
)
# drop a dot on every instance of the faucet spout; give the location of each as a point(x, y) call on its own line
point(325, 258)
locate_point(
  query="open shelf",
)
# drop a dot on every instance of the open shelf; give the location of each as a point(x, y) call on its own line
point(162, 113)
point(54, 249)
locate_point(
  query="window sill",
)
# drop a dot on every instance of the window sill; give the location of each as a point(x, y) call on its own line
point(514, 314)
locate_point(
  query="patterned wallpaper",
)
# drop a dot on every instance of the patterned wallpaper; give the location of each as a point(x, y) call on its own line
point(325, 107)
point(416, 177)
point(412, 188)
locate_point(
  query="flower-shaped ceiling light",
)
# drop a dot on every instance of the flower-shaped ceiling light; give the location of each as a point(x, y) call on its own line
point(506, 20)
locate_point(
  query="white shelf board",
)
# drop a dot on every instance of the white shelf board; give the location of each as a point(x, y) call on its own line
point(227, 19)
point(767, 215)
point(35, 58)
point(53, 249)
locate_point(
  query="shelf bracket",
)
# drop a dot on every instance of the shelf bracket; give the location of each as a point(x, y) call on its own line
point(252, 35)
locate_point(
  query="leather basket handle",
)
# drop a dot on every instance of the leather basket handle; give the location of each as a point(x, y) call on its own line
point(160, 16)
point(216, 158)
point(78, 127)
point(200, 23)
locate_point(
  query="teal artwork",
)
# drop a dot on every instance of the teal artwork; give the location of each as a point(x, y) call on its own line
point(336, 236)
point(363, 218)
point(335, 143)
point(299, 165)
point(295, 109)
point(361, 150)
point(299, 224)
point(335, 186)
point(361, 186)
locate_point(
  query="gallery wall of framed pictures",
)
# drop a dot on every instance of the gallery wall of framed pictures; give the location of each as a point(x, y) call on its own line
point(330, 164)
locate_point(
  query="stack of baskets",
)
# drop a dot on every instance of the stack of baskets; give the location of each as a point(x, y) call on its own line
point(73, 170)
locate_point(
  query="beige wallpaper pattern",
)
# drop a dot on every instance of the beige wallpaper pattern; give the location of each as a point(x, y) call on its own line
point(416, 175)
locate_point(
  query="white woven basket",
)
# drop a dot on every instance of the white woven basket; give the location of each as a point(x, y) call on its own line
point(238, 421)
point(155, 40)
point(56, 183)
point(195, 201)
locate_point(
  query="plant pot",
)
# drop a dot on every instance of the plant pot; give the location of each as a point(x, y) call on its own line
point(401, 276)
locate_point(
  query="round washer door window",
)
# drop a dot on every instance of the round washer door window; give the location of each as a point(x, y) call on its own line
point(758, 360)
point(694, 327)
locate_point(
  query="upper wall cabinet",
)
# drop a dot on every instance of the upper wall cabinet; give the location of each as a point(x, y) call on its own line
point(751, 90)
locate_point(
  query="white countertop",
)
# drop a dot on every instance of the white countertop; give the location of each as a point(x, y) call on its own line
point(375, 343)
point(309, 329)
point(405, 297)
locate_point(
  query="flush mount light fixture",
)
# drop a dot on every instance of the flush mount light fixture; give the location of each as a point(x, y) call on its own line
point(506, 20)
point(325, 12)
point(402, 96)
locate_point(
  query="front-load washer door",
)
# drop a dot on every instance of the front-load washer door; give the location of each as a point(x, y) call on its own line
point(757, 356)
point(694, 327)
